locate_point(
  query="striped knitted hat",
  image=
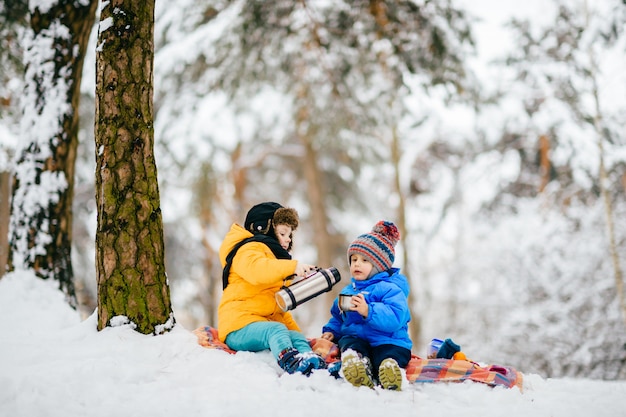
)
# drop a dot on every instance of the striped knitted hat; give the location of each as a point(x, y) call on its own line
point(377, 246)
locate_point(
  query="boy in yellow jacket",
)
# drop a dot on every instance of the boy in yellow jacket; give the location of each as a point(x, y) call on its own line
point(257, 263)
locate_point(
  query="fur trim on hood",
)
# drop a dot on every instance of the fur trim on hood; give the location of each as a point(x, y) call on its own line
point(286, 215)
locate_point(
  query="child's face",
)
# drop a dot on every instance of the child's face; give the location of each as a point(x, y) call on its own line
point(284, 234)
point(360, 267)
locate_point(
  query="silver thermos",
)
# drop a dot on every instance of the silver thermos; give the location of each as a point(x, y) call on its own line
point(307, 288)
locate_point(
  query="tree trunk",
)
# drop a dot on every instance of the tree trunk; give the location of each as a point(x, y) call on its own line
point(604, 181)
point(315, 194)
point(608, 208)
point(41, 212)
point(313, 177)
point(544, 161)
point(5, 209)
point(415, 327)
point(378, 11)
point(130, 261)
point(206, 194)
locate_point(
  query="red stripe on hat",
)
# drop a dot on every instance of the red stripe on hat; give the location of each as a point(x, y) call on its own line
point(371, 252)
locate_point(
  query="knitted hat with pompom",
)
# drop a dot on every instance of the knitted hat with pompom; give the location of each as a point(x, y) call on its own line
point(377, 246)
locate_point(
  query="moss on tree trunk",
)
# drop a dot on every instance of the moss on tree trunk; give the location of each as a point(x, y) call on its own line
point(130, 262)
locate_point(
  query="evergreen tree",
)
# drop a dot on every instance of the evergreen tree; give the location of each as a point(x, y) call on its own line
point(130, 259)
point(570, 66)
point(321, 85)
point(41, 211)
point(534, 249)
point(13, 21)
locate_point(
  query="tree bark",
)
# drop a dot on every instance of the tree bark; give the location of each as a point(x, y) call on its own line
point(130, 261)
point(5, 209)
point(415, 327)
point(315, 194)
point(378, 11)
point(43, 185)
point(604, 181)
point(544, 161)
point(314, 178)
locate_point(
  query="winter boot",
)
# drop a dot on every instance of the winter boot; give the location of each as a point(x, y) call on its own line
point(289, 360)
point(292, 361)
point(311, 361)
point(334, 368)
point(356, 369)
point(389, 375)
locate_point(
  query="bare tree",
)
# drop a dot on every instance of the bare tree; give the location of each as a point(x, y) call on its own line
point(130, 261)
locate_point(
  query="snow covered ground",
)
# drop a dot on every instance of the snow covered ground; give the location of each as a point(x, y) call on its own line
point(53, 364)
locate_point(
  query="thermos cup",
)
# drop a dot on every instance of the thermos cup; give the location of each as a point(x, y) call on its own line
point(434, 347)
point(311, 286)
point(345, 302)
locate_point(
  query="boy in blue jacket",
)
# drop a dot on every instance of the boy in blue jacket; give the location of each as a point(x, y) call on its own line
point(372, 332)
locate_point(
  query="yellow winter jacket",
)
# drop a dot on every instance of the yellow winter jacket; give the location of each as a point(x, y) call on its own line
point(255, 276)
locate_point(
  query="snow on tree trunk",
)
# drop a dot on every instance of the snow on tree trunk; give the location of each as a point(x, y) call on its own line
point(130, 262)
point(41, 212)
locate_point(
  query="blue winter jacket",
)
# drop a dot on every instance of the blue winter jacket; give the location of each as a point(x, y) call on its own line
point(387, 322)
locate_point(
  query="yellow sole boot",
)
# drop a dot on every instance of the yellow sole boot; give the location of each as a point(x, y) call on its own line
point(355, 370)
point(390, 375)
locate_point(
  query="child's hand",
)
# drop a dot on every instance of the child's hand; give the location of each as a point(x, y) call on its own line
point(360, 305)
point(303, 269)
point(328, 336)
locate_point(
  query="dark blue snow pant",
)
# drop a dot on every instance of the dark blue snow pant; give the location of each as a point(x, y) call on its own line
point(376, 354)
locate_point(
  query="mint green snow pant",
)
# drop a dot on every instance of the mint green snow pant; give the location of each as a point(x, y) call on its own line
point(270, 335)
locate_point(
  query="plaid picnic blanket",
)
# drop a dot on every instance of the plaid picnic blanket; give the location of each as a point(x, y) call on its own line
point(418, 369)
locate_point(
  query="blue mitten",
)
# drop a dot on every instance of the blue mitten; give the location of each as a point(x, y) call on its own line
point(448, 349)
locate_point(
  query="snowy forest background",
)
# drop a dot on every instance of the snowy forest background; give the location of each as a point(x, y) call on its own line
point(505, 167)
